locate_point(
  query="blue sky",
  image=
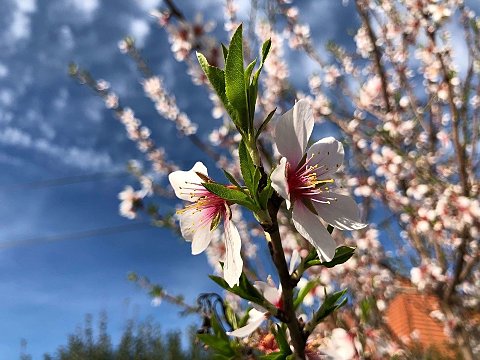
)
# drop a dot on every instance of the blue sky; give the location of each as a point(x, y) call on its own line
point(51, 128)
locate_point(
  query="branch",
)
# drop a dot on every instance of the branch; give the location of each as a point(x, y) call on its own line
point(376, 54)
point(276, 251)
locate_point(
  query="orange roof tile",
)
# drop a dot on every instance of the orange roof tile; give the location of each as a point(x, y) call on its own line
point(409, 312)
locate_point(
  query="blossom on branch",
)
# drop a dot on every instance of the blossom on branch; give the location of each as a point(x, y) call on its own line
point(259, 314)
point(199, 219)
point(304, 180)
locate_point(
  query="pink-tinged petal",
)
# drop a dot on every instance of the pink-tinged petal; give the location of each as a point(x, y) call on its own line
point(328, 154)
point(185, 183)
point(272, 294)
point(293, 131)
point(195, 228)
point(189, 220)
point(233, 266)
point(340, 211)
point(279, 180)
point(255, 320)
point(311, 228)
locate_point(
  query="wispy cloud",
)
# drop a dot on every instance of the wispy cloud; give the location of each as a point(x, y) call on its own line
point(139, 29)
point(82, 158)
point(20, 27)
point(86, 8)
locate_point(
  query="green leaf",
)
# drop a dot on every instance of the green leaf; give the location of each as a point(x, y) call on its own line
point(231, 316)
point(244, 289)
point(216, 77)
point(342, 254)
point(330, 304)
point(216, 221)
point(248, 71)
point(235, 78)
point(274, 356)
point(281, 338)
point(304, 292)
point(225, 52)
point(247, 168)
point(266, 49)
point(220, 346)
point(265, 123)
point(229, 194)
point(265, 195)
point(232, 180)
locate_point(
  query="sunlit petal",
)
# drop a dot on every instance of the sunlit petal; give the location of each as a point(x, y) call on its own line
point(341, 211)
point(185, 183)
point(233, 260)
point(279, 179)
point(255, 320)
point(272, 294)
point(293, 131)
point(311, 228)
point(328, 155)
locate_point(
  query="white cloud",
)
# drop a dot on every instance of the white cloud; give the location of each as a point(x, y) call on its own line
point(27, 6)
point(87, 8)
point(73, 156)
point(139, 29)
point(3, 70)
point(6, 97)
point(147, 5)
point(66, 37)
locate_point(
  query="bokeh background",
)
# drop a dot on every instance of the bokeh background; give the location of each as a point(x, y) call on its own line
point(64, 249)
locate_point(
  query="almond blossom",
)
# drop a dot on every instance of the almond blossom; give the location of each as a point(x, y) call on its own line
point(304, 179)
point(199, 219)
point(259, 314)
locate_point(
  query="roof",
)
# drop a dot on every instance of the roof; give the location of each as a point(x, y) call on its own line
point(409, 313)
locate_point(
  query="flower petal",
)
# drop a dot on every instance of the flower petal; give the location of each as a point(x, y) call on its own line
point(279, 180)
point(272, 294)
point(201, 238)
point(294, 261)
point(341, 211)
point(185, 183)
point(255, 320)
point(328, 154)
point(293, 131)
point(233, 261)
point(311, 228)
point(196, 229)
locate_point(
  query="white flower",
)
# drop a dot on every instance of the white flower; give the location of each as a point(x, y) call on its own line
point(258, 314)
point(304, 180)
point(199, 219)
point(340, 346)
point(131, 201)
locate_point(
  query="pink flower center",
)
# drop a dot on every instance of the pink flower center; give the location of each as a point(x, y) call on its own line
point(213, 208)
point(303, 181)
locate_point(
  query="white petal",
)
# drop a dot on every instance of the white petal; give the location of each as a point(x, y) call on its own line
point(328, 153)
point(201, 238)
point(255, 320)
point(194, 228)
point(279, 179)
point(294, 261)
point(272, 294)
point(312, 229)
point(293, 131)
point(233, 261)
point(188, 222)
point(184, 183)
point(342, 212)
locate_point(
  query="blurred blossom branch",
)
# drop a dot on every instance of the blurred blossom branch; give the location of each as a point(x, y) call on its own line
point(406, 108)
